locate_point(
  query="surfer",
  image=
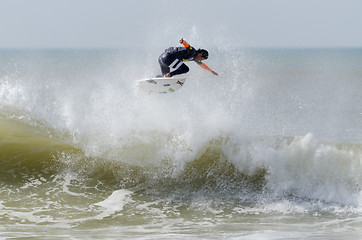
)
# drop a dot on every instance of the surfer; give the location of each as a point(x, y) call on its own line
point(174, 57)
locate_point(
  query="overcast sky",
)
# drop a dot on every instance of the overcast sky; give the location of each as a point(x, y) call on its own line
point(140, 23)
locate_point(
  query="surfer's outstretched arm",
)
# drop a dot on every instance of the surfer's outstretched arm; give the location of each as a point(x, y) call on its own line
point(204, 66)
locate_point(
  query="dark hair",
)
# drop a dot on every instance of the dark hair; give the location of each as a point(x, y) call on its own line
point(204, 53)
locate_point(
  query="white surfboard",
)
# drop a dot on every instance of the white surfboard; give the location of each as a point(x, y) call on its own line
point(160, 85)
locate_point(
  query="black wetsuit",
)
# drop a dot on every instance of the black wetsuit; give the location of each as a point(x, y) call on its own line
point(174, 57)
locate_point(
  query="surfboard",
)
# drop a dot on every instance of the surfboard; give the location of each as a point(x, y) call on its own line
point(160, 85)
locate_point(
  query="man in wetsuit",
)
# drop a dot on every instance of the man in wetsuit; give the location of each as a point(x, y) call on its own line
point(174, 57)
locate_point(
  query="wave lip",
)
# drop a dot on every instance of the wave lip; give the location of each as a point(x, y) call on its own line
point(305, 168)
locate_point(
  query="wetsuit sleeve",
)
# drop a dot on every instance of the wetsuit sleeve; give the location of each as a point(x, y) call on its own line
point(186, 45)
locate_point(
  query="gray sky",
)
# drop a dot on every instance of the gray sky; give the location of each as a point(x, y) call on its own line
point(151, 23)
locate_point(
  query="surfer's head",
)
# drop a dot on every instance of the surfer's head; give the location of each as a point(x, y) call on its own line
point(202, 54)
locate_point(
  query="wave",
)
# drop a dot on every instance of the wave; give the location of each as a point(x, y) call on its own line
point(230, 168)
point(70, 123)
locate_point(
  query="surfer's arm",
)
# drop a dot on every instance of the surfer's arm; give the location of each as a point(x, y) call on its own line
point(204, 66)
point(186, 45)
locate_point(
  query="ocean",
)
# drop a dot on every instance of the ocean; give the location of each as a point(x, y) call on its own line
point(269, 149)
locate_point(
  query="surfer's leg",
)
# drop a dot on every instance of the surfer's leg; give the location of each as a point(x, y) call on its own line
point(164, 69)
point(181, 68)
point(163, 60)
